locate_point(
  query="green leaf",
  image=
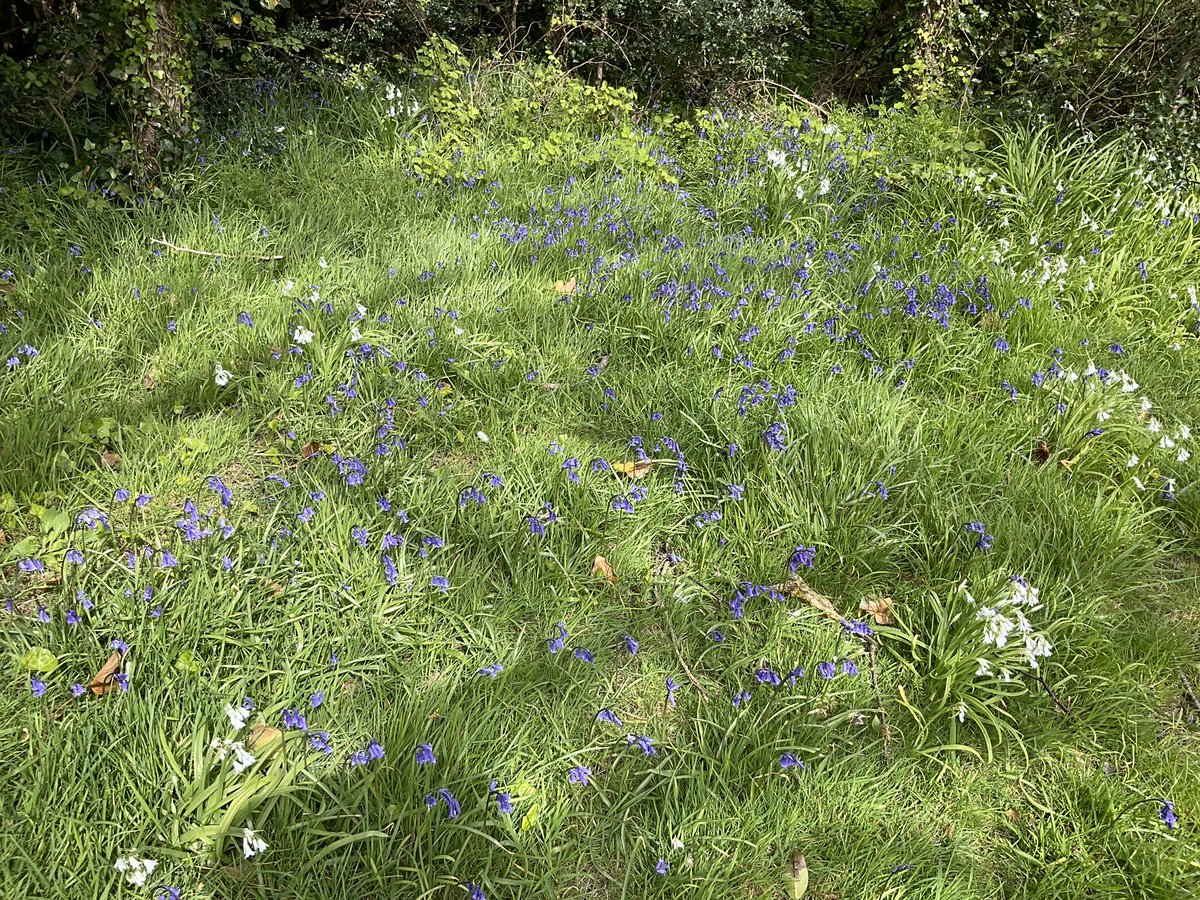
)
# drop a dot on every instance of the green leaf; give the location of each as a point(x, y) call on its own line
point(38, 659)
point(187, 662)
point(530, 818)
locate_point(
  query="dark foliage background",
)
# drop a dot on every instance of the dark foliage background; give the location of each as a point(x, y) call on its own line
point(117, 87)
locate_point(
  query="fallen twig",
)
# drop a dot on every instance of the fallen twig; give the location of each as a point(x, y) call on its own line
point(176, 247)
point(1063, 707)
point(883, 725)
point(679, 656)
point(1189, 691)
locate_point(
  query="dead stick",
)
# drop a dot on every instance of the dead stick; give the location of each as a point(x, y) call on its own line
point(167, 243)
point(883, 725)
point(1066, 710)
point(1189, 690)
point(679, 656)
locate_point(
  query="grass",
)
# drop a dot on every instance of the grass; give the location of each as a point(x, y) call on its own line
point(710, 303)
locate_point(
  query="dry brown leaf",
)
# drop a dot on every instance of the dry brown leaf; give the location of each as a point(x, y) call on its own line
point(311, 449)
point(634, 470)
point(110, 459)
point(565, 287)
point(1012, 815)
point(604, 568)
point(104, 682)
point(1042, 453)
point(261, 735)
point(3, 538)
point(148, 380)
point(879, 608)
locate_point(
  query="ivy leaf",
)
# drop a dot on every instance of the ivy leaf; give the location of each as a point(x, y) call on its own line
point(38, 659)
point(187, 662)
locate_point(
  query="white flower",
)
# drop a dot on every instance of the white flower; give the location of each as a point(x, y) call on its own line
point(302, 335)
point(321, 262)
point(1185, 432)
point(242, 758)
point(984, 668)
point(823, 187)
point(776, 158)
point(1104, 415)
point(1183, 455)
point(1137, 482)
point(676, 843)
point(483, 437)
point(962, 711)
point(355, 334)
point(1154, 426)
point(1133, 461)
point(237, 716)
point(221, 376)
point(252, 843)
point(1165, 443)
point(287, 287)
point(135, 870)
point(1146, 404)
point(1128, 385)
point(1036, 645)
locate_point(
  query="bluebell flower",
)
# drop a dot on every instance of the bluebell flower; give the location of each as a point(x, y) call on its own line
point(536, 528)
point(441, 582)
point(503, 800)
point(826, 670)
point(560, 639)
point(856, 628)
point(120, 495)
point(584, 654)
point(718, 636)
point(774, 437)
point(118, 644)
point(166, 892)
point(768, 676)
point(72, 617)
point(849, 667)
point(631, 645)
point(424, 755)
point(244, 319)
point(294, 719)
point(360, 534)
point(443, 795)
point(802, 556)
point(375, 750)
point(319, 740)
point(74, 557)
point(168, 560)
point(579, 775)
point(31, 565)
point(317, 699)
point(662, 866)
point(37, 686)
point(672, 687)
point(491, 671)
point(78, 690)
point(475, 892)
point(791, 761)
point(1167, 813)
point(607, 715)
point(122, 681)
point(741, 697)
point(643, 743)
point(736, 491)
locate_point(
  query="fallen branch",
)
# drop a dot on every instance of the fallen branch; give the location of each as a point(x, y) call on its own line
point(164, 242)
point(883, 725)
point(1063, 707)
point(679, 656)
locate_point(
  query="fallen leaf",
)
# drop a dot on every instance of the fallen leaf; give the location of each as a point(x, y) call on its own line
point(103, 682)
point(148, 380)
point(879, 608)
point(187, 662)
point(1042, 453)
point(634, 470)
point(38, 659)
point(111, 460)
point(1012, 815)
point(604, 568)
point(311, 449)
point(565, 287)
point(3, 537)
point(261, 735)
point(530, 818)
point(798, 876)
